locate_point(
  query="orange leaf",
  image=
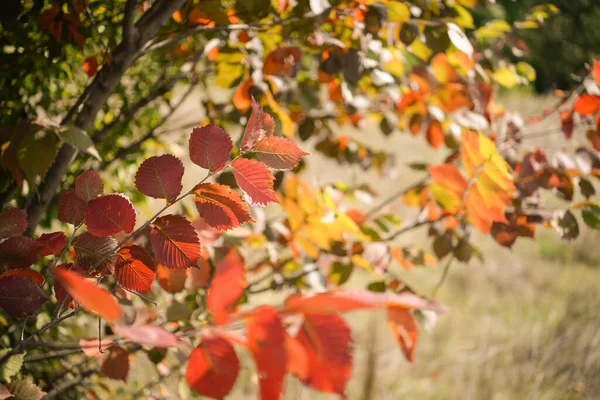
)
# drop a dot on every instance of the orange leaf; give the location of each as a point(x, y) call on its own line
point(134, 269)
point(297, 359)
point(596, 72)
point(227, 286)
point(435, 134)
point(241, 98)
point(174, 242)
point(259, 125)
point(255, 180)
point(91, 297)
point(587, 104)
point(266, 340)
point(278, 153)
point(404, 328)
point(171, 280)
point(220, 206)
point(448, 176)
point(90, 66)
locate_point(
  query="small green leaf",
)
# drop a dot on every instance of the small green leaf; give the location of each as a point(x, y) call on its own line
point(12, 366)
point(340, 273)
point(79, 139)
point(37, 152)
point(566, 225)
point(591, 215)
point(377, 286)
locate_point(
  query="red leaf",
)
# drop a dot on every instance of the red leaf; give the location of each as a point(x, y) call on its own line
point(90, 250)
point(89, 185)
point(53, 243)
point(13, 222)
point(327, 341)
point(174, 242)
point(147, 335)
point(297, 359)
point(171, 280)
point(212, 368)
point(116, 364)
point(19, 252)
point(405, 330)
point(160, 177)
point(596, 72)
point(448, 176)
point(59, 290)
point(220, 206)
point(210, 147)
point(255, 180)
point(266, 340)
point(587, 104)
point(227, 286)
point(90, 66)
point(71, 208)
point(110, 214)
point(567, 123)
point(134, 269)
point(259, 125)
point(91, 297)
point(26, 273)
point(278, 153)
point(435, 134)
point(20, 297)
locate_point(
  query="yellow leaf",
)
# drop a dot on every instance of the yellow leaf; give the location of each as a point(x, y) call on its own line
point(446, 198)
point(310, 249)
point(287, 126)
point(505, 77)
point(398, 12)
point(420, 49)
point(295, 213)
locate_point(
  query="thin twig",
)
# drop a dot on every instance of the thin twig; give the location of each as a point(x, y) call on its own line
point(393, 197)
point(444, 275)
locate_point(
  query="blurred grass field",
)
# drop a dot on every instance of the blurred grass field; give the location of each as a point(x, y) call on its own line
point(524, 323)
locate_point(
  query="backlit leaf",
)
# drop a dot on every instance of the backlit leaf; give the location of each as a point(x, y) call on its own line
point(449, 176)
point(13, 222)
point(91, 297)
point(171, 280)
point(404, 328)
point(212, 368)
point(53, 243)
point(174, 242)
point(435, 134)
point(255, 180)
point(327, 341)
point(210, 147)
point(20, 297)
point(160, 177)
point(266, 340)
point(220, 206)
point(59, 291)
point(259, 125)
point(278, 153)
point(91, 250)
point(110, 214)
point(71, 208)
point(116, 364)
point(147, 335)
point(19, 252)
point(79, 139)
point(227, 286)
point(89, 185)
point(134, 269)
point(587, 104)
point(26, 273)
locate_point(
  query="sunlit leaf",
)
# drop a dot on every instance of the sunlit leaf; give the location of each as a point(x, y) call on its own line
point(227, 286)
point(404, 328)
point(147, 335)
point(110, 214)
point(174, 242)
point(160, 177)
point(255, 180)
point(210, 147)
point(89, 186)
point(71, 208)
point(278, 153)
point(134, 269)
point(220, 206)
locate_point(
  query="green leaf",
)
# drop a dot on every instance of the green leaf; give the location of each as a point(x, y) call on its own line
point(566, 225)
point(79, 139)
point(37, 152)
point(591, 215)
point(377, 286)
point(12, 366)
point(340, 273)
point(398, 12)
point(25, 389)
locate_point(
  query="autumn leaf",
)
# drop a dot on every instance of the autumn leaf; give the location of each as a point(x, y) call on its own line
point(241, 98)
point(110, 214)
point(91, 250)
point(19, 252)
point(255, 180)
point(448, 176)
point(26, 273)
point(53, 243)
point(71, 208)
point(404, 328)
point(259, 125)
point(171, 280)
point(13, 222)
point(212, 368)
point(227, 286)
point(174, 242)
point(278, 153)
point(160, 177)
point(20, 296)
point(89, 186)
point(210, 147)
point(587, 104)
point(435, 134)
point(134, 269)
point(116, 364)
point(90, 66)
point(147, 335)
point(220, 206)
point(266, 340)
point(59, 291)
point(327, 341)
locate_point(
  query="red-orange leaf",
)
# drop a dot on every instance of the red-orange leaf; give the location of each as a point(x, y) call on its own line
point(59, 290)
point(116, 364)
point(109, 214)
point(90, 66)
point(587, 104)
point(327, 341)
point(297, 359)
point(71, 208)
point(404, 328)
point(171, 280)
point(27, 273)
point(90, 252)
point(20, 297)
point(160, 177)
point(147, 335)
point(19, 252)
point(259, 125)
point(134, 269)
point(91, 297)
point(255, 180)
point(448, 176)
point(266, 340)
point(53, 243)
point(227, 286)
point(278, 153)
point(212, 368)
point(220, 206)
point(13, 222)
point(210, 147)
point(241, 98)
point(435, 133)
point(596, 72)
point(89, 185)
point(174, 242)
